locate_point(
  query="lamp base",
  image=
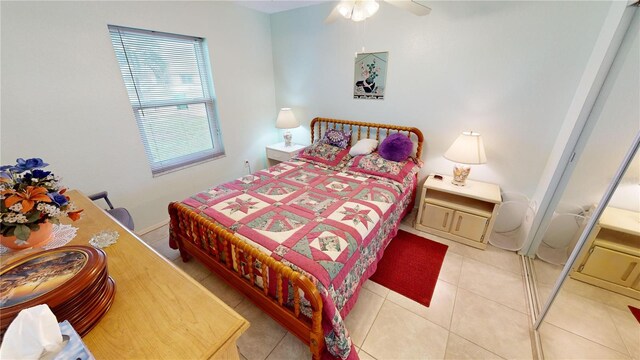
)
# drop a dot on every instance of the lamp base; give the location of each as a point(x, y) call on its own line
point(460, 174)
point(287, 138)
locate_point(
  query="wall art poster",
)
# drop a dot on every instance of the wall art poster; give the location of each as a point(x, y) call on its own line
point(370, 75)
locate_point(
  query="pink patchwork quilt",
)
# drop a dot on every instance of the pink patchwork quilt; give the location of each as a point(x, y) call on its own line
point(332, 226)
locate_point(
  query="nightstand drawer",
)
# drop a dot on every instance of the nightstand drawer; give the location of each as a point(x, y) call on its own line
point(612, 266)
point(460, 213)
point(278, 155)
point(436, 217)
point(279, 152)
point(468, 225)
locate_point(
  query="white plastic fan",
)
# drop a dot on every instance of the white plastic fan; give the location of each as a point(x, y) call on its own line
point(358, 10)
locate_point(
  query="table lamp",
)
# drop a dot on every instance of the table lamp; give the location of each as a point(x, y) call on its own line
point(468, 149)
point(286, 120)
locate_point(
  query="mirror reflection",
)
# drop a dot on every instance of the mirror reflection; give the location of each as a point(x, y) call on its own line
point(592, 316)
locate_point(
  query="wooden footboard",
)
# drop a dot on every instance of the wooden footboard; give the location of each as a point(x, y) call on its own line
point(193, 234)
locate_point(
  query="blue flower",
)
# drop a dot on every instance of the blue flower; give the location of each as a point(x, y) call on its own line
point(33, 163)
point(59, 199)
point(6, 167)
point(40, 174)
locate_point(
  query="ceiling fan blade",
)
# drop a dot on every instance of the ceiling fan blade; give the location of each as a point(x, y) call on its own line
point(416, 7)
point(333, 16)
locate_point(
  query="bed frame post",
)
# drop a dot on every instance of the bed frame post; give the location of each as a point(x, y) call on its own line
point(316, 343)
point(175, 241)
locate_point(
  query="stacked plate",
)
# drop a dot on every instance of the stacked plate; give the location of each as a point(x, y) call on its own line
point(72, 280)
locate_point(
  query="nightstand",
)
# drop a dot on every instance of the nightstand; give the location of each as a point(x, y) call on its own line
point(610, 256)
point(277, 153)
point(460, 213)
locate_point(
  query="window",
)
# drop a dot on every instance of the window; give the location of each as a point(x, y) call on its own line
point(168, 80)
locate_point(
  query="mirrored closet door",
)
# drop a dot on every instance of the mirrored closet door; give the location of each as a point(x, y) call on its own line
point(590, 316)
point(586, 270)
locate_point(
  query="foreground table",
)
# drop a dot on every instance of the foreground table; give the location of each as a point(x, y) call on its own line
point(159, 312)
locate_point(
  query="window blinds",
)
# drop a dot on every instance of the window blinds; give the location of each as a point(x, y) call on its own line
point(168, 82)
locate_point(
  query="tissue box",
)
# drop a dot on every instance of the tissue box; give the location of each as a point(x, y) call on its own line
point(75, 348)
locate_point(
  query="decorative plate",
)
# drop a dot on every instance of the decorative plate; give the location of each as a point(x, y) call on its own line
point(68, 279)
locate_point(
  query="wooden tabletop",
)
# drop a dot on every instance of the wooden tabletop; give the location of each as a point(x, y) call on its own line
point(473, 189)
point(159, 312)
point(621, 220)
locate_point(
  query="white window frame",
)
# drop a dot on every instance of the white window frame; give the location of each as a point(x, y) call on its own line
point(139, 106)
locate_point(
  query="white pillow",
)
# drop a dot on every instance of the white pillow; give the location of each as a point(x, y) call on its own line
point(363, 147)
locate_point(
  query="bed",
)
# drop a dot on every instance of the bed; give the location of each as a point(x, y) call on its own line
point(300, 238)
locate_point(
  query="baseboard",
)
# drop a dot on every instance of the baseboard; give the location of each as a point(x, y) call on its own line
point(533, 302)
point(152, 227)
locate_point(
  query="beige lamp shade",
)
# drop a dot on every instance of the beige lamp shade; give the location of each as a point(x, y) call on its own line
point(286, 120)
point(467, 149)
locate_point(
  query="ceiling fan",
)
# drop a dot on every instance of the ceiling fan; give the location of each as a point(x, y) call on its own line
point(358, 10)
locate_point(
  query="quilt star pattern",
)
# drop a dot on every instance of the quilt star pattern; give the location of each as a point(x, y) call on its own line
point(332, 226)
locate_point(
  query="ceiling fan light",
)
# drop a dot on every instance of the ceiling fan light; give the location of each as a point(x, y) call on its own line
point(371, 7)
point(362, 9)
point(345, 8)
point(358, 13)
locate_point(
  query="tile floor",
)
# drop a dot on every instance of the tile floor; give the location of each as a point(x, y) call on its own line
point(586, 322)
point(478, 311)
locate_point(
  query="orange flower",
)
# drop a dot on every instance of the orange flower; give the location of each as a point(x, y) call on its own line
point(28, 197)
point(74, 215)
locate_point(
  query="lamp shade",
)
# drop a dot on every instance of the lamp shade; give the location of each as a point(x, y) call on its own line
point(467, 149)
point(286, 120)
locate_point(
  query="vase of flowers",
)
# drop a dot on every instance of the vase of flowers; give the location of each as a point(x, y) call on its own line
point(31, 201)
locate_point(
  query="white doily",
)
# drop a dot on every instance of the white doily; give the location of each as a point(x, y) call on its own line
point(62, 234)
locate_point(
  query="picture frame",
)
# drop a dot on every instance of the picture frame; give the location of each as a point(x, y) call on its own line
point(370, 75)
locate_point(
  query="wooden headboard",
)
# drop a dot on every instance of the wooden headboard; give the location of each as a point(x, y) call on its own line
point(365, 130)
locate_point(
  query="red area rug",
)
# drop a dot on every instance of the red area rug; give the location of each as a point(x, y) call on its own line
point(635, 312)
point(410, 266)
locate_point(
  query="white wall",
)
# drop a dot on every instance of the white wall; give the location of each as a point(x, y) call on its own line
point(505, 69)
point(63, 98)
point(613, 123)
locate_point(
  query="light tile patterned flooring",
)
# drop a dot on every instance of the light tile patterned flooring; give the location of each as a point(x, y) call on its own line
point(586, 322)
point(478, 311)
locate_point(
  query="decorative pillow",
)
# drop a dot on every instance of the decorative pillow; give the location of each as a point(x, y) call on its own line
point(374, 164)
point(396, 147)
point(363, 147)
point(341, 139)
point(325, 154)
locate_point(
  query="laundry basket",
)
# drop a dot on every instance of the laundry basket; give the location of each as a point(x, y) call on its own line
point(560, 238)
point(509, 232)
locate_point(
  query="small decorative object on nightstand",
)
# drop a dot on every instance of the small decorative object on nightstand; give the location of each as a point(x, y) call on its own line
point(280, 152)
point(462, 214)
point(467, 149)
point(286, 120)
